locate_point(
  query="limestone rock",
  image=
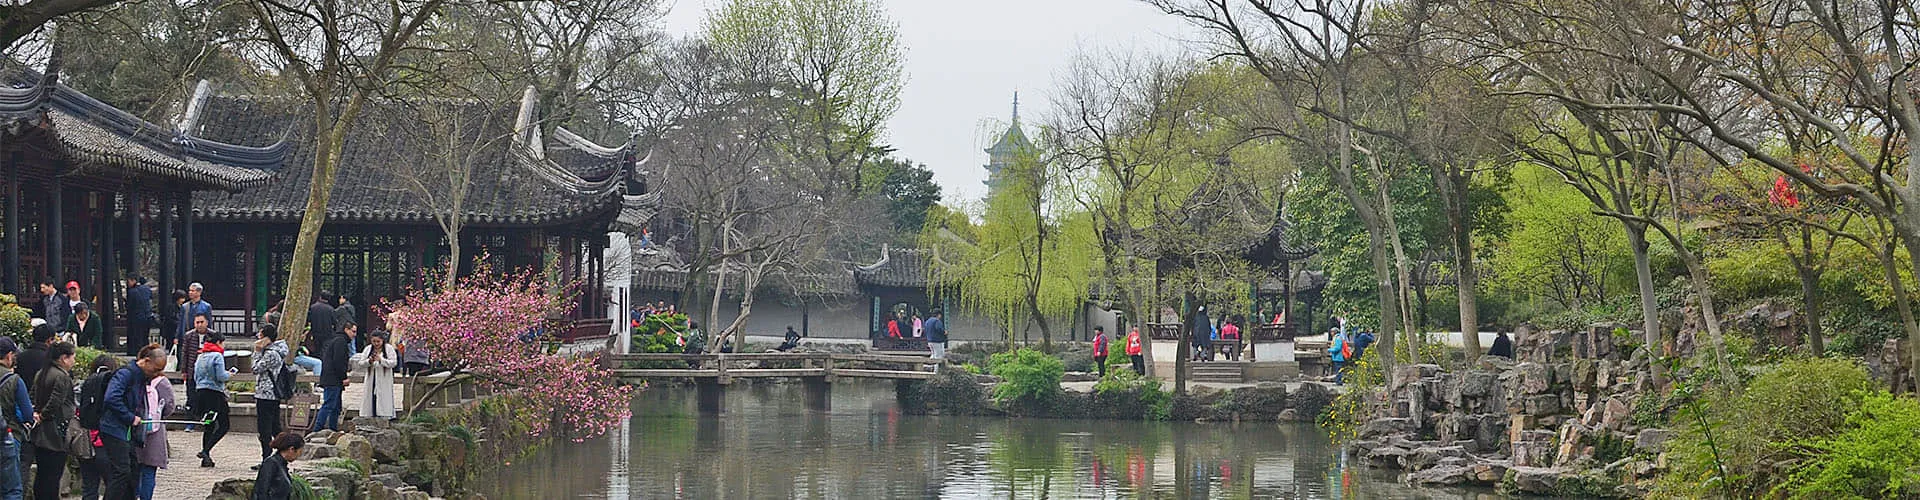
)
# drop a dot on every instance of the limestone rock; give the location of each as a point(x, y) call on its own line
point(341, 480)
point(1429, 456)
point(1384, 426)
point(319, 450)
point(1387, 456)
point(1445, 476)
point(388, 445)
point(1616, 415)
point(321, 436)
point(1489, 472)
point(1542, 404)
point(1478, 384)
point(232, 488)
point(1533, 480)
point(1652, 440)
point(357, 448)
point(1535, 378)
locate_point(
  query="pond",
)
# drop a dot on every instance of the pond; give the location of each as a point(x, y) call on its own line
point(769, 446)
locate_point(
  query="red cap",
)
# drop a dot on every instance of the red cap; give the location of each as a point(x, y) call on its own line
point(73, 285)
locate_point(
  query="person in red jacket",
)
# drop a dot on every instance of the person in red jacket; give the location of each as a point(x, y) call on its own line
point(1100, 349)
point(1133, 351)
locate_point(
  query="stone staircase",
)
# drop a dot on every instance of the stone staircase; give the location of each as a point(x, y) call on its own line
point(1220, 372)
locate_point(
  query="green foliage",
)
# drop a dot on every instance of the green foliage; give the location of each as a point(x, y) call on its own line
point(1877, 456)
point(1350, 410)
point(1026, 261)
point(83, 356)
point(910, 193)
point(1027, 375)
point(1556, 249)
point(1750, 433)
point(461, 431)
point(1126, 389)
point(15, 321)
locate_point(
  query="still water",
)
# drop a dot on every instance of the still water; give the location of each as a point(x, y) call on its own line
point(767, 445)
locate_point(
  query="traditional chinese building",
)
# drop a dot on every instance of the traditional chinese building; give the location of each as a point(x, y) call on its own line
point(94, 194)
point(529, 201)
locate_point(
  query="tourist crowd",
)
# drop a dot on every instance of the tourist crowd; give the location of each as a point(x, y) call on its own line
point(111, 419)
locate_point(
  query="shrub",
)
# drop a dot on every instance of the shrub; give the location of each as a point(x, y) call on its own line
point(83, 357)
point(15, 321)
point(1750, 433)
point(1125, 394)
point(1027, 375)
point(1347, 412)
point(1876, 457)
point(952, 392)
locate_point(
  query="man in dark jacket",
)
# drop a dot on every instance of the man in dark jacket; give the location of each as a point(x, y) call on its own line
point(120, 432)
point(139, 314)
point(936, 328)
point(1502, 346)
point(53, 306)
point(333, 377)
point(320, 327)
point(34, 357)
point(194, 306)
point(343, 313)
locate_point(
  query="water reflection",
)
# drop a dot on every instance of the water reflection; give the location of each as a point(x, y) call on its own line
point(769, 446)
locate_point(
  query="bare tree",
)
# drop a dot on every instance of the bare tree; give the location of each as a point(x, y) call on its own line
point(340, 55)
point(17, 20)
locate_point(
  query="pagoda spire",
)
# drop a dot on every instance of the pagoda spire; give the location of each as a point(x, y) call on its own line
point(1016, 106)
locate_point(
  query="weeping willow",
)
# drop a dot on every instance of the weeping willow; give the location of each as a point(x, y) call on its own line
point(1026, 263)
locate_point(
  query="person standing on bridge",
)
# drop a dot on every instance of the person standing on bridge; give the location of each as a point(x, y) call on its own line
point(1100, 349)
point(696, 343)
point(936, 327)
point(1133, 351)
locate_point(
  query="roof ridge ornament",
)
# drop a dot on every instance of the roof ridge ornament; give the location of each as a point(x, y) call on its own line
point(526, 130)
point(190, 120)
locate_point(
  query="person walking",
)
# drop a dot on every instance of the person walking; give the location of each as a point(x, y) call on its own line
point(126, 409)
point(92, 403)
point(1339, 351)
point(87, 328)
point(153, 453)
point(190, 342)
point(335, 361)
point(1230, 333)
point(269, 359)
point(209, 395)
point(53, 395)
point(376, 362)
point(937, 333)
point(274, 481)
point(17, 407)
point(169, 322)
point(139, 314)
point(1200, 331)
point(1134, 351)
point(1100, 349)
point(188, 310)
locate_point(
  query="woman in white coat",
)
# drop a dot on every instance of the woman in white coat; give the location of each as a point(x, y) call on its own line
point(376, 362)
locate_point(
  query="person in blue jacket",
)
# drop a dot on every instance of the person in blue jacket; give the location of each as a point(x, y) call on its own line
point(126, 401)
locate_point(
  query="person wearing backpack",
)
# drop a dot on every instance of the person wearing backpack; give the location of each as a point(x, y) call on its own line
point(125, 408)
point(272, 385)
point(16, 409)
point(85, 445)
point(53, 395)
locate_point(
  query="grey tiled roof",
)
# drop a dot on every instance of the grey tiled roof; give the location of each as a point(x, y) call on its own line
point(511, 186)
point(907, 268)
point(98, 135)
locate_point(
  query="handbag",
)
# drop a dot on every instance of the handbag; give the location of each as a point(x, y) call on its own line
point(79, 444)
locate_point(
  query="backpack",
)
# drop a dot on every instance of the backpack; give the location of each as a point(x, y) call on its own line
point(284, 380)
point(93, 399)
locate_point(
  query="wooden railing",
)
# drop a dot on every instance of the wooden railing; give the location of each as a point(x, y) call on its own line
point(762, 365)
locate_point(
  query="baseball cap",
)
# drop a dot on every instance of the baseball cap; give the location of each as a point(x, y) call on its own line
point(73, 285)
point(7, 346)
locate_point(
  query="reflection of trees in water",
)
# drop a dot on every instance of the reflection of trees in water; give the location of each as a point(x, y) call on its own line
point(769, 447)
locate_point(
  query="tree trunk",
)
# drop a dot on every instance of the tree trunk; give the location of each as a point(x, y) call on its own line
point(1183, 349)
point(1703, 293)
point(1810, 301)
point(1377, 248)
point(1453, 201)
point(319, 191)
point(453, 255)
point(1904, 300)
point(1649, 305)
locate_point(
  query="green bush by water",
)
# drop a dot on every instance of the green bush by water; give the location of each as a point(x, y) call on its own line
point(1027, 375)
point(1743, 444)
point(1877, 456)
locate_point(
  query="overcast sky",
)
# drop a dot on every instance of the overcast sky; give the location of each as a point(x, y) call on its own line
point(966, 58)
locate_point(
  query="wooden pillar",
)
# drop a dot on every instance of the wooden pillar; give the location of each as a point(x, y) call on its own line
point(247, 259)
point(167, 284)
point(55, 246)
point(131, 259)
point(104, 307)
point(186, 238)
point(13, 227)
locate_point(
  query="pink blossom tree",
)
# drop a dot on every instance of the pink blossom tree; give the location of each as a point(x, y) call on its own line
point(476, 329)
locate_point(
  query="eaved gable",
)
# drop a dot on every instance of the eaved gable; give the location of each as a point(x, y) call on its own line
point(529, 201)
